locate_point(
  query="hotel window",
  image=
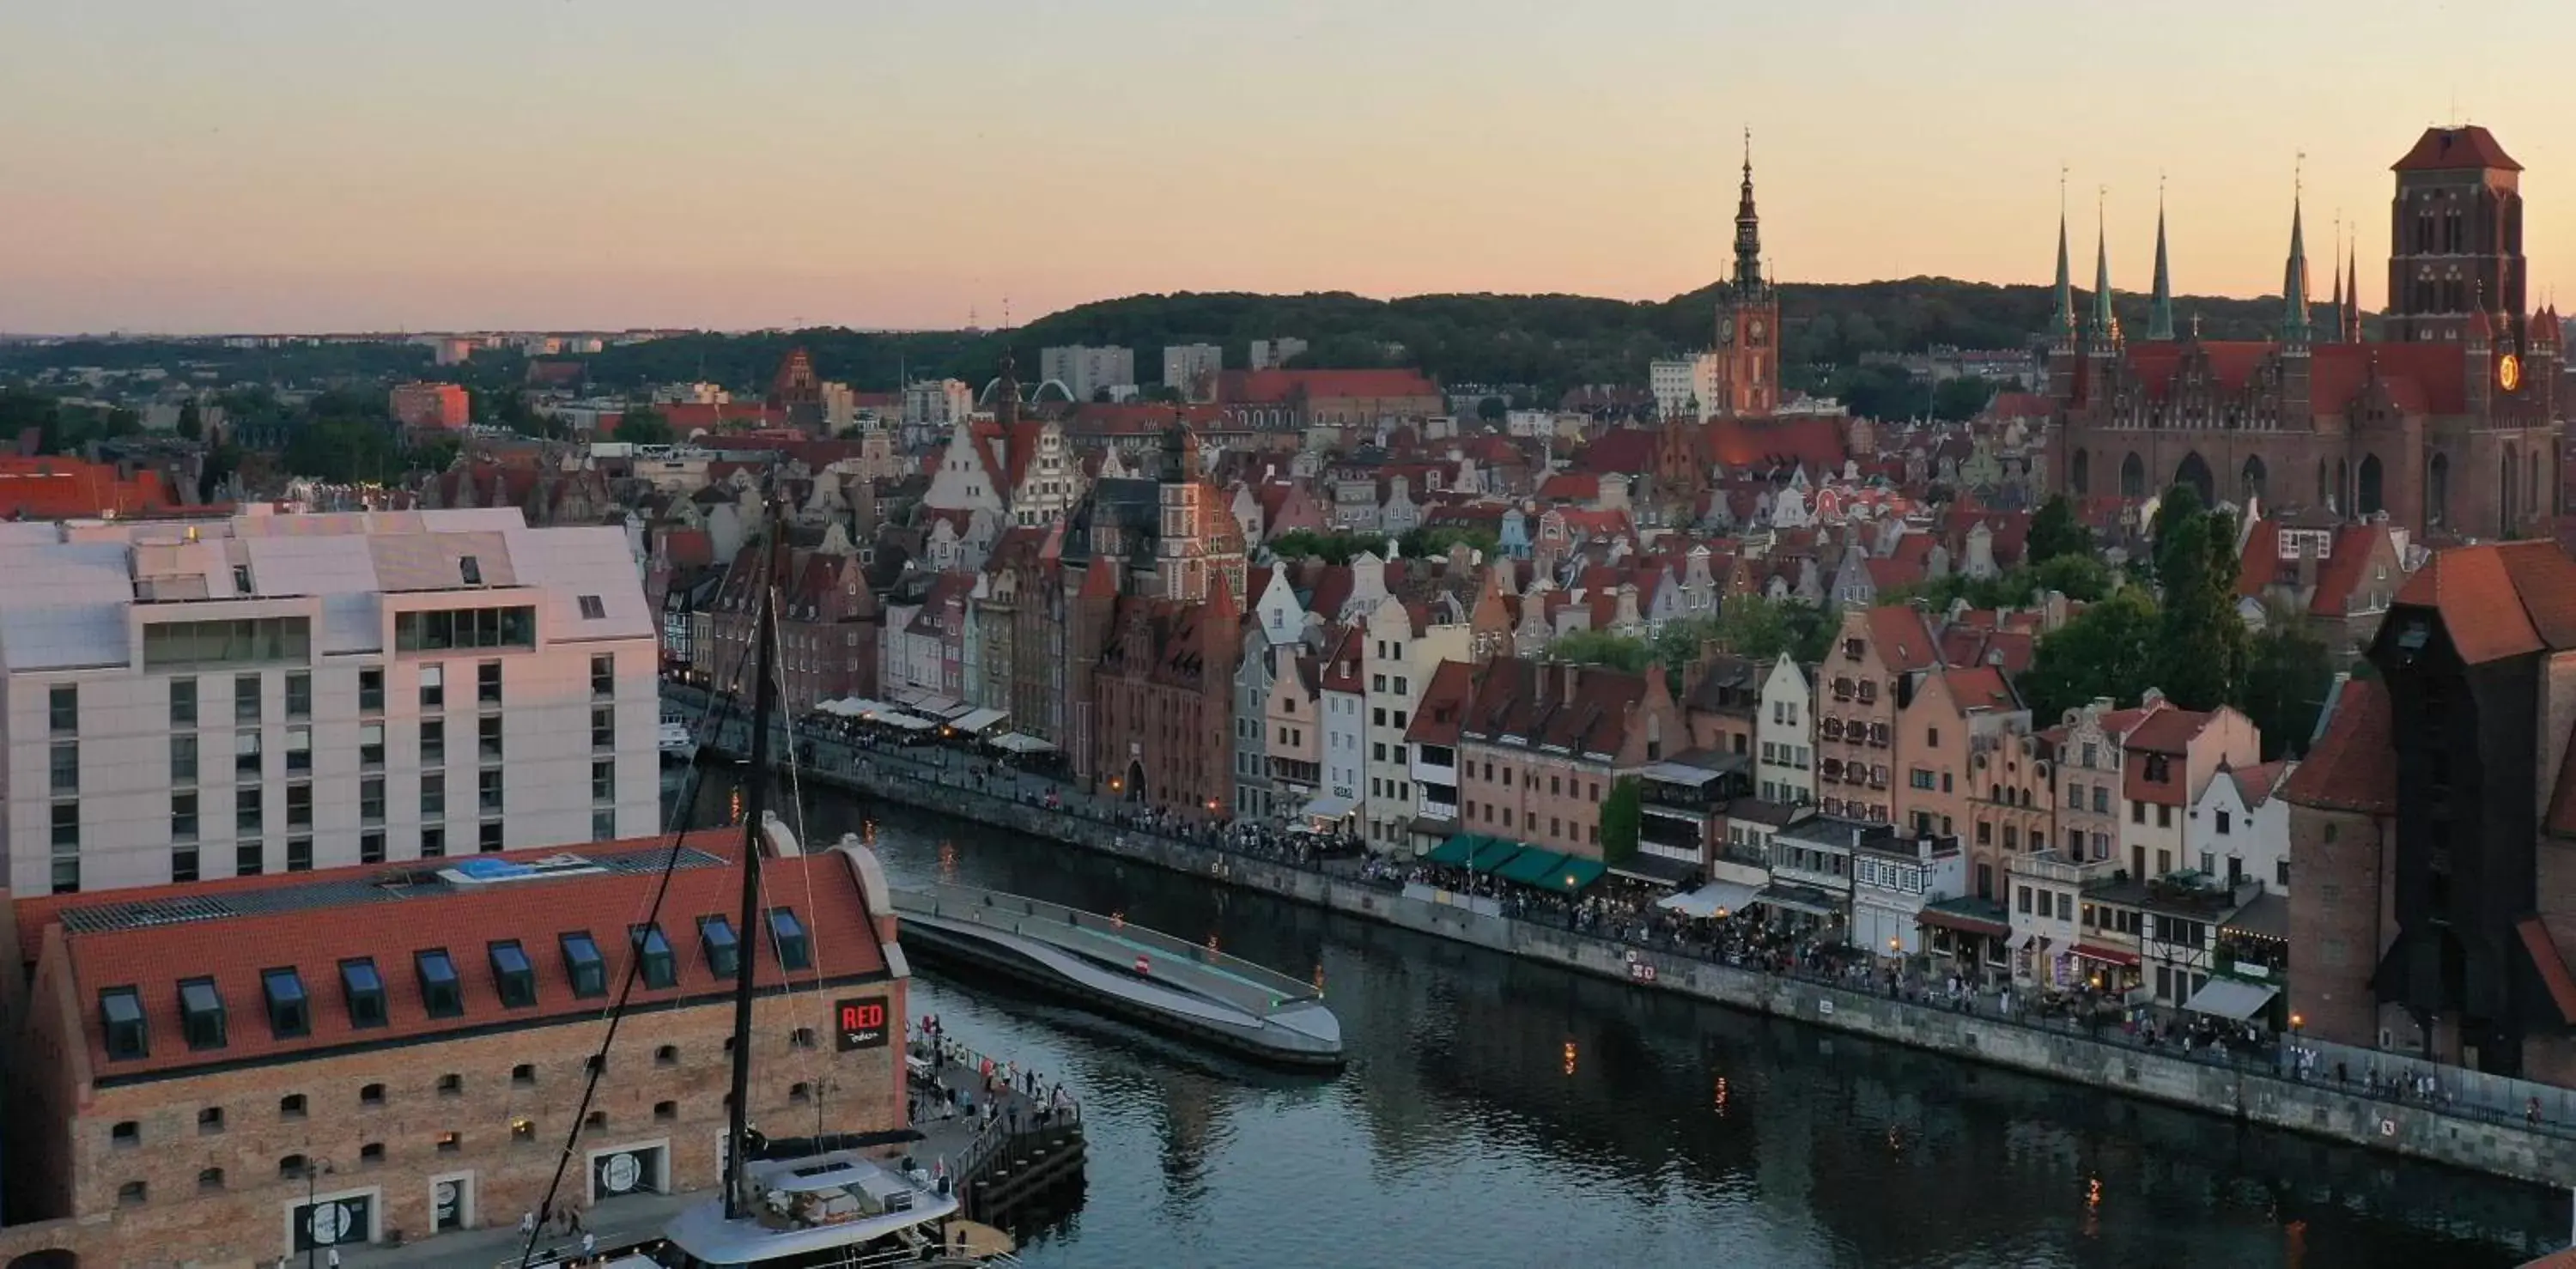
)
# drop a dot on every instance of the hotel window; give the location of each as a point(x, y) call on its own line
point(299, 806)
point(246, 809)
point(183, 760)
point(183, 817)
point(433, 687)
point(371, 848)
point(299, 695)
point(603, 729)
point(371, 690)
point(371, 800)
point(433, 841)
point(488, 790)
point(299, 854)
point(183, 702)
point(245, 698)
point(66, 766)
point(603, 824)
point(487, 683)
point(433, 742)
point(62, 709)
point(371, 746)
point(487, 738)
point(603, 676)
point(299, 749)
point(488, 837)
point(603, 780)
point(183, 863)
point(433, 795)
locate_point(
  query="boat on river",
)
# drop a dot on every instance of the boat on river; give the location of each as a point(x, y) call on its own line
point(1118, 967)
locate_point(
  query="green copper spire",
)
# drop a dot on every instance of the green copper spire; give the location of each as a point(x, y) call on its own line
point(2160, 308)
point(2104, 328)
point(2295, 328)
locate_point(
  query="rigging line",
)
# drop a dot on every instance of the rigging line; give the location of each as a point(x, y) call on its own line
point(691, 786)
point(813, 927)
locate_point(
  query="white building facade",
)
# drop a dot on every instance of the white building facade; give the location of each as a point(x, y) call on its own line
point(1191, 369)
point(1086, 371)
point(186, 701)
point(1785, 752)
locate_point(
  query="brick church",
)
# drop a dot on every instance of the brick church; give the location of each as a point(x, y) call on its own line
point(2443, 422)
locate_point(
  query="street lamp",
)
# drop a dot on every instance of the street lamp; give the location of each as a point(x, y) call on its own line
point(313, 1167)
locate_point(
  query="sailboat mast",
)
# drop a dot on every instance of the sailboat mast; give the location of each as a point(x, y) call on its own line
point(764, 697)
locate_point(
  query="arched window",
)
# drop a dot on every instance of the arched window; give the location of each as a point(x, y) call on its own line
point(2251, 483)
point(2194, 471)
point(2367, 495)
point(2437, 490)
point(2133, 477)
point(2080, 472)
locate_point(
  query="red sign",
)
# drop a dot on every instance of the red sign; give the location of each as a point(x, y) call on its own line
point(862, 1023)
point(1144, 966)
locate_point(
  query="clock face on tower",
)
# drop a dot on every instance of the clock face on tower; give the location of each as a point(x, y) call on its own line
point(1726, 330)
point(2509, 372)
point(1753, 330)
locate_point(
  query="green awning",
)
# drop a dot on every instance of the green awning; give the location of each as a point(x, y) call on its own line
point(1491, 855)
point(1571, 875)
point(1456, 851)
point(1530, 867)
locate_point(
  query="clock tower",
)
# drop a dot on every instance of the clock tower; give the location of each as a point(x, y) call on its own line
point(1748, 319)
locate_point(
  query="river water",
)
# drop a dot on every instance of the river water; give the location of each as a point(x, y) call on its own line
point(1497, 1113)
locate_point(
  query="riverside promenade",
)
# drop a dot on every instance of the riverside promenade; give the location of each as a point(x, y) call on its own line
point(2260, 1090)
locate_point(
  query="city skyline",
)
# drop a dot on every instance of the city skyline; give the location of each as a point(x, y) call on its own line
point(583, 166)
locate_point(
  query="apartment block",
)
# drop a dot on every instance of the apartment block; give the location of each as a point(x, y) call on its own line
point(220, 698)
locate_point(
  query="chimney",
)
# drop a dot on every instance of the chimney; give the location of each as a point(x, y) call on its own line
point(1573, 675)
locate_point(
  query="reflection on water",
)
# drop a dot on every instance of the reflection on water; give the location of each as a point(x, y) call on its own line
point(1500, 1113)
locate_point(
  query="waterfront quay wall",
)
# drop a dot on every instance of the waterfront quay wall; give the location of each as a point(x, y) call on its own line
point(2247, 1094)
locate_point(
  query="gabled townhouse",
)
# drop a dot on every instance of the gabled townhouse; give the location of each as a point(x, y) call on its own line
point(2337, 579)
point(2239, 828)
point(2061, 938)
point(1293, 722)
point(1432, 743)
point(1343, 696)
point(2167, 764)
point(1951, 722)
point(1682, 814)
point(1542, 743)
point(1404, 644)
point(1721, 699)
point(1252, 788)
point(1865, 679)
point(1784, 769)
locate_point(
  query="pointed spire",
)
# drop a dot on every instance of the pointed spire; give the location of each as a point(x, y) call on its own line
point(2062, 319)
point(2104, 328)
point(2352, 294)
point(1006, 390)
point(2160, 324)
point(2336, 335)
point(1748, 229)
point(2294, 275)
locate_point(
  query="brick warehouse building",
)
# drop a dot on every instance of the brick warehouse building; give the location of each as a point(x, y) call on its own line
point(2445, 423)
point(417, 1041)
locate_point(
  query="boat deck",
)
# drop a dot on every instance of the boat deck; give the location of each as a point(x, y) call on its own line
point(1117, 943)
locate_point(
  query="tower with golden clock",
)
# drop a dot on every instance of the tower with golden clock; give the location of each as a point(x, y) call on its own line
point(1748, 321)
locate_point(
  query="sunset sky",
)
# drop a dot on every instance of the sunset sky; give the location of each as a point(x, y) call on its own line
point(177, 165)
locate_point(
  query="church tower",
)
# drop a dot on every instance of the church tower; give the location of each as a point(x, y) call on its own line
point(2454, 234)
point(1748, 318)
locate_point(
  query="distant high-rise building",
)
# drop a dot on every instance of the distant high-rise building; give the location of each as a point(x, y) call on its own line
point(429, 405)
point(937, 403)
point(1086, 371)
point(1274, 354)
point(1191, 369)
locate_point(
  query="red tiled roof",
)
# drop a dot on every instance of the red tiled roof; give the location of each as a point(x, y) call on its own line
point(1621, 449)
point(464, 920)
point(2169, 730)
point(1903, 641)
point(1583, 709)
point(2354, 766)
point(1980, 688)
point(2499, 599)
point(2467, 147)
point(1444, 704)
point(1572, 486)
point(53, 487)
point(2254, 784)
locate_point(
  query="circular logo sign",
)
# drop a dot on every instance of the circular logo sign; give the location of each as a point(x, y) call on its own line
point(620, 1173)
point(446, 1193)
point(330, 1223)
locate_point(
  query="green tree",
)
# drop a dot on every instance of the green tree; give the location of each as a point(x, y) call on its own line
point(2180, 505)
point(1332, 548)
point(343, 451)
point(1492, 409)
point(2055, 532)
point(2109, 649)
point(221, 462)
point(1620, 812)
point(1761, 628)
point(1961, 397)
point(1600, 647)
point(192, 423)
point(643, 425)
point(2200, 641)
point(2288, 673)
point(1422, 544)
point(2082, 578)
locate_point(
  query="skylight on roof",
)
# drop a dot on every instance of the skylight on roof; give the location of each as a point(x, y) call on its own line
point(201, 1013)
point(365, 990)
point(120, 1012)
point(439, 989)
point(515, 977)
point(288, 1017)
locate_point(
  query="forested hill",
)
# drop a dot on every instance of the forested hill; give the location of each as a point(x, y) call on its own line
point(1552, 342)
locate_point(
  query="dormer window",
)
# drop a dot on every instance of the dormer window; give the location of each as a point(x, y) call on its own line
point(120, 1013)
point(794, 951)
point(655, 950)
point(584, 966)
point(724, 951)
point(471, 569)
point(365, 990)
point(201, 1013)
point(513, 975)
point(440, 991)
point(288, 1017)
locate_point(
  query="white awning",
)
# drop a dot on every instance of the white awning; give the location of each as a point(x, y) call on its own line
point(903, 722)
point(1014, 742)
point(1710, 899)
point(846, 707)
point(1327, 807)
point(973, 722)
point(2231, 998)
